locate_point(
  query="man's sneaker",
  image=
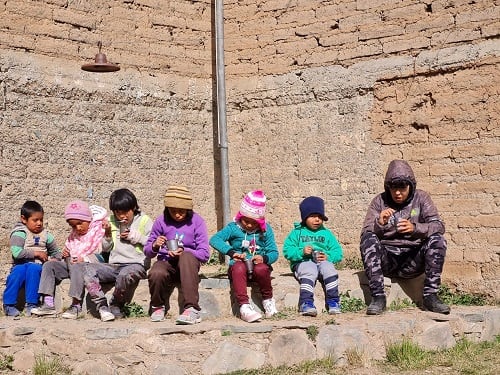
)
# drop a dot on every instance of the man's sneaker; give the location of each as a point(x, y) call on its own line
point(377, 305)
point(28, 308)
point(43, 310)
point(105, 314)
point(158, 314)
point(116, 311)
point(333, 307)
point(72, 312)
point(11, 310)
point(434, 304)
point(248, 314)
point(307, 308)
point(189, 316)
point(269, 307)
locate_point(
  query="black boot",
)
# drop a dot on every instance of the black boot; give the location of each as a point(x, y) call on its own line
point(434, 304)
point(377, 305)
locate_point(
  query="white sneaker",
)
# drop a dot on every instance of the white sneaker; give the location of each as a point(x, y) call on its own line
point(106, 315)
point(269, 307)
point(248, 314)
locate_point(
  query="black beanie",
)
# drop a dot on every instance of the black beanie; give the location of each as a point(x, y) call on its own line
point(312, 205)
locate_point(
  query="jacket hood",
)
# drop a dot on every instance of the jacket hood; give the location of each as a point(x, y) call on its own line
point(399, 171)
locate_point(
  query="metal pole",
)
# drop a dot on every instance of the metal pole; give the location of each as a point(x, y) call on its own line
point(221, 109)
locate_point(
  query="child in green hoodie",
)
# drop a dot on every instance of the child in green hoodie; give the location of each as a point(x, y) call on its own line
point(312, 251)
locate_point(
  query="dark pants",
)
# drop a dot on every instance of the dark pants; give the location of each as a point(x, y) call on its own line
point(408, 263)
point(239, 278)
point(163, 275)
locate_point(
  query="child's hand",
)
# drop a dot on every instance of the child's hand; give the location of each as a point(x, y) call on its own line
point(107, 229)
point(132, 236)
point(159, 242)
point(257, 259)
point(42, 255)
point(405, 226)
point(65, 252)
point(239, 256)
point(308, 250)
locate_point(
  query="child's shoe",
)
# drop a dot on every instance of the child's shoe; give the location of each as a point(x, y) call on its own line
point(248, 314)
point(11, 310)
point(269, 307)
point(333, 307)
point(158, 314)
point(307, 308)
point(72, 312)
point(105, 314)
point(43, 310)
point(189, 316)
point(116, 311)
point(28, 308)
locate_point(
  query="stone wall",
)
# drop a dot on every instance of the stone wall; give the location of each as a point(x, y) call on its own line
point(321, 96)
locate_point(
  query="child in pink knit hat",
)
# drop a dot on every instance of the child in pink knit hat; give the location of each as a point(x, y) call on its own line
point(249, 243)
point(82, 246)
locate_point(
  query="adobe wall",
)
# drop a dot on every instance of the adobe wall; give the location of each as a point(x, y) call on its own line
point(321, 96)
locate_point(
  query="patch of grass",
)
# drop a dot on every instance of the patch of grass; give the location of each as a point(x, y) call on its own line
point(460, 298)
point(324, 366)
point(406, 355)
point(331, 322)
point(312, 332)
point(45, 365)
point(226, 332)
point(134, 310)
point(401, 304)
point(6, 362)
point(350, 263)
point(350, 304)
point(285, 313)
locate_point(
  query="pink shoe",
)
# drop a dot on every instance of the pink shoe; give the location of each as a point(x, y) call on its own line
point(248, 314)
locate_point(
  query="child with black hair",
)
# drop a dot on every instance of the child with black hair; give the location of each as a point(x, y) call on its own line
point(181, 264)
point(312, 251)
point(30, 245)
point(125, 235)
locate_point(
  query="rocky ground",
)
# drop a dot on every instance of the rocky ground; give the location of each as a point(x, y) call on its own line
point(223, 343)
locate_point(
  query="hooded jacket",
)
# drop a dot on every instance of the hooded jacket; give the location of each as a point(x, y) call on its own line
point(418, 208)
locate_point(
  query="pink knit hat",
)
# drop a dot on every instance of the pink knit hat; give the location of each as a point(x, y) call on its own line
point(78, 210)
point(253, 206)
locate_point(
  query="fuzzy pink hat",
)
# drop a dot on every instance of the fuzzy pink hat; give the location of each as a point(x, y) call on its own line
point(78, 210)
point(253, 206)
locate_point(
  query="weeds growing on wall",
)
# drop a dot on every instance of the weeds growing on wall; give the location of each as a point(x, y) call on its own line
point(50, 365)
point(350, 304)
point(460, 298)
point(6, 362)
point(134, 310)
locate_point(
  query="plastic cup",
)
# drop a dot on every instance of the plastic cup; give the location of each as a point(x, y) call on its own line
point(172, 245)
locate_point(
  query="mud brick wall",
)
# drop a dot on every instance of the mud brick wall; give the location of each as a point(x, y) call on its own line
point(321, 95)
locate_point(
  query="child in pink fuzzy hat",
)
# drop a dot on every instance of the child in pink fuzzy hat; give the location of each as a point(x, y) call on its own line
point(249, 242)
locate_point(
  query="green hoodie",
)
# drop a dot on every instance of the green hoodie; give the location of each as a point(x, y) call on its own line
point(322, 240)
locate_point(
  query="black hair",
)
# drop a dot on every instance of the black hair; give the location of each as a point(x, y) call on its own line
point(123, 200)
point(29, 208)
point(169, 219)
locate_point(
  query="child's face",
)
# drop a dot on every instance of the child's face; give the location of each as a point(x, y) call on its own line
point(34, 223)
point(178, 214)
point(79, 226)
point(399, 194)
point(249, 224)
point(314, 221)
point(126, 217)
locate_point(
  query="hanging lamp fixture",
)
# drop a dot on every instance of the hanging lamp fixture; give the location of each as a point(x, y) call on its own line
point(101, 64)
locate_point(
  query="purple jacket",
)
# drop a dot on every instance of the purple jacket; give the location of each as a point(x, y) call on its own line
point(193, 233)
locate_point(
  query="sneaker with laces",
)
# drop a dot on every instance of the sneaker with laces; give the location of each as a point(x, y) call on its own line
point(28, 307)
point(189, 316)
point(158, 314)
point(333, 307)
point(43, 310)
point(116, 311)
point(11, 310)
point(72, 312)
point(248, 314)
point(269, 307)
point(307, 308)
point(106, 315)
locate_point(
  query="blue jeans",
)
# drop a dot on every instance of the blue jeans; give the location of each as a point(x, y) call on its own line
point(27, 275)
